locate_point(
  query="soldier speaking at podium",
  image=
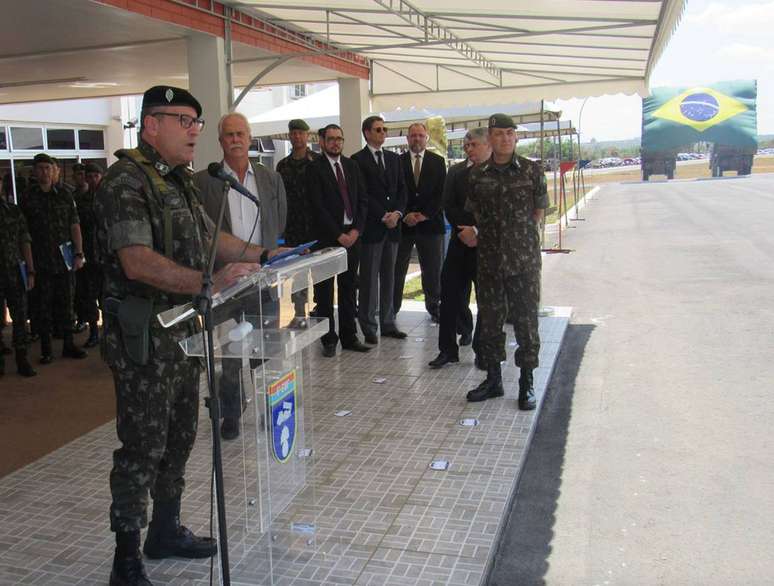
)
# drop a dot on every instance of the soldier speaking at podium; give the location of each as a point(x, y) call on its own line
point(153, 237)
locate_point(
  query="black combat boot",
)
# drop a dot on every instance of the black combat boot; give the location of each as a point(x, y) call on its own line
point(490, 388)
point(23, 366)
point(70, 350)
point(526, 391)
point(128, 569)
point(168, 538)
point(46, 352)
point(93, 335)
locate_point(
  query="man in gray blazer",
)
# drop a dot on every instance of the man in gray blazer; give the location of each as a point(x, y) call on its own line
point(244, 220)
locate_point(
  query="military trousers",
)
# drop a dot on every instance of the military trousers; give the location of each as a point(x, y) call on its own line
point(12, 290)
point(496, 294)
point(88, 290)
point(157, 412)
point(54, 295)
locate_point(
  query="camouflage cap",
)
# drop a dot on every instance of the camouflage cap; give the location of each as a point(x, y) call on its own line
point(79, 167)
point(43, 158)
point(94, 168)
point(297, 124)
point(501, 121)
point(166, 95)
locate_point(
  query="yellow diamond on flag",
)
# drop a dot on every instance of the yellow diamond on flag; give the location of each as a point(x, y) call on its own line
point(700, 108)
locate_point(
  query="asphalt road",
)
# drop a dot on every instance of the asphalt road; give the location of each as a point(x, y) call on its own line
point(653, 461)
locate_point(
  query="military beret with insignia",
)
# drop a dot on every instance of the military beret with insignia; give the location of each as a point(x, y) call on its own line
point(166, 95)
point(79, 167)
point(297, 124)
point(43, 158)
point(94, 168)
point(501, 121)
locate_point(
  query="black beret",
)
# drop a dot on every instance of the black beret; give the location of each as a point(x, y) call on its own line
point(94, 168)
point(501, 121)
point(166, 95)
point(297, 124)
point(43, 158)
point(79, 167)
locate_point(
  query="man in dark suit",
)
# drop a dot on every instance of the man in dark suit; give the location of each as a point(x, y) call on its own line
point(336, 190)
point(459, 267)
point(423, 223)
point(243, 219)
point(386, 202)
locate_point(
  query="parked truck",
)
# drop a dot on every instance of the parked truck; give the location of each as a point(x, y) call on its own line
point(731, 158)
point(658, 163)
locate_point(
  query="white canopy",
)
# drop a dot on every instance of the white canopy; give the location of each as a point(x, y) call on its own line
point(428, 53)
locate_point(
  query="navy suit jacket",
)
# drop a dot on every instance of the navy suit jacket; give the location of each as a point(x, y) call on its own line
point(323, 192)
point(427, 197)
point(386, 193)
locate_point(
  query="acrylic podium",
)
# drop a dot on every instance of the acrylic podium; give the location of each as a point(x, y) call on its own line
point(263, 325)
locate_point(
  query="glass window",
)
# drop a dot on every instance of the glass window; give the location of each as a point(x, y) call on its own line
point(27, 138)
point(3, 139)
point(61, 139)
point(267, 144)
point(91, 140)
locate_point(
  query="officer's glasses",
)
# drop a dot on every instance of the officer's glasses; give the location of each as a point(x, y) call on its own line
point(379, 129)
point(185, 120)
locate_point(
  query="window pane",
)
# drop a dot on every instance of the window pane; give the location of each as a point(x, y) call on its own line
point(61, 138)
point(27, 138)
point(3, 140)
point(91, 140)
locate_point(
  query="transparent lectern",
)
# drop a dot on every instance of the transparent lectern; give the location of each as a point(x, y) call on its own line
point(265, 330)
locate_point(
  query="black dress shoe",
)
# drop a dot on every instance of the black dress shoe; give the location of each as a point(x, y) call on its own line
point(356, 346)
point(229, 429)
point(329, 350)
point(442, 359)
point(466, 340)
point(395, 334)
point(371, 339)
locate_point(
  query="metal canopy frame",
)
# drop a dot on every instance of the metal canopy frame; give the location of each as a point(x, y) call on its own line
point(421, 46)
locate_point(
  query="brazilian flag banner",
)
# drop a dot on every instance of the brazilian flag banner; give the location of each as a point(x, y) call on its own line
point(722, 112)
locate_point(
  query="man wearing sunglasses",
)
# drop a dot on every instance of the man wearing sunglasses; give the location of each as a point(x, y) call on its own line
point(153, 235)
point(386, 204)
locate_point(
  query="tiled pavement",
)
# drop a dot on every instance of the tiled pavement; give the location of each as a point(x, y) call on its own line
point(380, 515)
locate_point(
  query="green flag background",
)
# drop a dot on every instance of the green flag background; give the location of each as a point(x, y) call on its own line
point(722, 112)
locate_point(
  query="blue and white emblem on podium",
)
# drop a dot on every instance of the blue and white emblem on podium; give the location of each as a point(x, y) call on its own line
point(282, 409)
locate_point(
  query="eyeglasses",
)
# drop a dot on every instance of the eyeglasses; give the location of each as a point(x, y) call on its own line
point(185, 120)
point(380, 129)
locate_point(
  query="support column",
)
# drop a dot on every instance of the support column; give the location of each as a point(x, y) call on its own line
point(354, 106)
point(207, 82)
point(114, 133)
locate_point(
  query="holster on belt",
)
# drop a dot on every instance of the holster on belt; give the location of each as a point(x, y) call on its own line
point(134, 315)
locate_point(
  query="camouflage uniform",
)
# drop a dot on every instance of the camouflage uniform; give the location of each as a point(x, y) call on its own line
point(13, 233)
point(88, 280)
point(299, 227)
point(503, 199)
point(157, 403)
point(50, 216)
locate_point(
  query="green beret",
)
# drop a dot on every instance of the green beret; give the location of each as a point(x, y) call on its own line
point(94, 168)
point(297, 124)
point(79, 167)
point(43, 158)
point(166, 95)
point(501, 121)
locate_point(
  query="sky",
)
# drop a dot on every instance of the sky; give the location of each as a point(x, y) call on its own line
point(714, 41)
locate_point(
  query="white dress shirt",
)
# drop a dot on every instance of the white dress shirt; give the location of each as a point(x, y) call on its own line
point(244, 214)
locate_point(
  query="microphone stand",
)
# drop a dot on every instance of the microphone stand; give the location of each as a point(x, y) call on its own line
point(203, 304)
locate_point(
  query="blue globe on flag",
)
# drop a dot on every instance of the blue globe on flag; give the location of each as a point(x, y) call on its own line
point(699, 107)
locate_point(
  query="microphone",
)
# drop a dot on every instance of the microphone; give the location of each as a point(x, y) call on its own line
point(216, 170)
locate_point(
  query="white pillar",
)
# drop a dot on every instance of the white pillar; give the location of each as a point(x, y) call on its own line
point(207, 82)
point(354, 106)
point(114, 133)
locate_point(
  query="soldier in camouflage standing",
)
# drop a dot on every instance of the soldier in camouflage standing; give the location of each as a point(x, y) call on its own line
point(153, 237)
point(508, 198)
point(292, 169)
point(53, 221)
point(14, 248)
point(88, 281)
